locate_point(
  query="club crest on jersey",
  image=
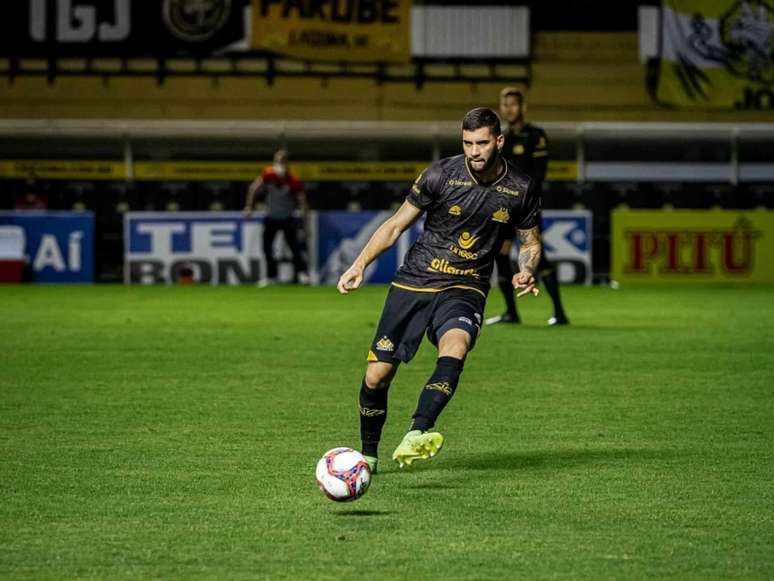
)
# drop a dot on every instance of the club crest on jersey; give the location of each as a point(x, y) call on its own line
point(518, 149)
point(467, 240)
point(509, 191)
point(384, 344)
point(455, 210)
point(501, 215)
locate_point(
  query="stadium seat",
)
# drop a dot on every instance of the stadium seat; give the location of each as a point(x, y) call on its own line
point(176, 197)
point(327, 196)
point(695, 196)
point(214, 197)
point(558, 195)
point(598, 196)
point(762, 194)
point(735, 198)
point(80, 196)
point(378, 196)
point(643, 195)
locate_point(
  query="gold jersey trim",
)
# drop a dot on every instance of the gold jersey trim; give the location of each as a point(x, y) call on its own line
point(498, 180)
point(438, 290)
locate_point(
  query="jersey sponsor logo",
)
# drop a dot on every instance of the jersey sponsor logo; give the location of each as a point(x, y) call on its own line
point(384, 344)
point(466, 254)
point(442, 386)
point(501, 215)
point(370, 413)
point(464, 183)
point(442, 265)
point(509, 191)
point(467, 240)
point(455, 210)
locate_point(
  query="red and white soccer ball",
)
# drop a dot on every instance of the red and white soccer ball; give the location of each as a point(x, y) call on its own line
point(343, 474)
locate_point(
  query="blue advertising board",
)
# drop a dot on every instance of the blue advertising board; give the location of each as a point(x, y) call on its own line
point(567, 242)
point(226, 248)
point(342, 235)
point(59, 245)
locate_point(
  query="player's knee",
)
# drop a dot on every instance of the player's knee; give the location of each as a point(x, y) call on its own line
point(455, 343)
point(379, 375)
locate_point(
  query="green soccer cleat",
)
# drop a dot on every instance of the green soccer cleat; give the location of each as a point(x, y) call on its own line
point(417, 445)
point(373, 463)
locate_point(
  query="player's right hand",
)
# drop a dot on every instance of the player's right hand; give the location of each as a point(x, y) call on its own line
point(350, 280)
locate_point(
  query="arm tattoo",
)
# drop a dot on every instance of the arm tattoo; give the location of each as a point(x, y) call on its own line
point(529, 250)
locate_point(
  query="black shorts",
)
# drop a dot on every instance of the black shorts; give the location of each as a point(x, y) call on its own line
point(407, 315)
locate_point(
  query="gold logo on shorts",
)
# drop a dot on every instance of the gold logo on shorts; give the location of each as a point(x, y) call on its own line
point(384, 344)
point(501, 215)
point(443, 387)
point(455, 210)
point(467, 240)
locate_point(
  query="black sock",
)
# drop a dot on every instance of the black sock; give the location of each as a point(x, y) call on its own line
point(373, 414)
point(437, 393)
point(504, 281)
point(551, 281)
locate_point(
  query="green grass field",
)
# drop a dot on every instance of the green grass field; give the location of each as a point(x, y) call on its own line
point(173, 432)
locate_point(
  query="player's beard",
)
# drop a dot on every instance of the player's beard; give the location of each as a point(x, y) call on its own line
point(490, 163)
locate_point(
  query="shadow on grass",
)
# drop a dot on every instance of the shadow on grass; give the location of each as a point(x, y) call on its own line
point(356, 512)
point(552, 459)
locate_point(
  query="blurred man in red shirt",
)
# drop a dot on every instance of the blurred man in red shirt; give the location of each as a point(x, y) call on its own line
point(282, 193)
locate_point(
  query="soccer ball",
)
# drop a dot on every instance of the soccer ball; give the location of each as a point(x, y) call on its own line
point(343, 474)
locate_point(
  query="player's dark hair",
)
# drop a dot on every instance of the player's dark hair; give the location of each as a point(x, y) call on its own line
point(511, 92)
point(481, 117)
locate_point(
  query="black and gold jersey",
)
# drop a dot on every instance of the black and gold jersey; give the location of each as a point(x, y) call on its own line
point(465, 225)
point(528, 151)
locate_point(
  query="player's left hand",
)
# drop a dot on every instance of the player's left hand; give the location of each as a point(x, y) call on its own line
point(526, 282)
point(350, 280)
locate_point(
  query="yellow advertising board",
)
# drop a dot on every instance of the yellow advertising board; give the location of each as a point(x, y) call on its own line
point(692, 246)
point(334, 30)
point(310, 171)
point(339, 171)
point(57, 169)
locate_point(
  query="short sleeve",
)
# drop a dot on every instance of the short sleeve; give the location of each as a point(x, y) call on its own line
point(530, 209)
point(426, 188)
point(296, 185)
point(267, 173)
point(541, 145)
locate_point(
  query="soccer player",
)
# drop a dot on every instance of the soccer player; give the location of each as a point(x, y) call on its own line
point(472, 203)
point(526, 147)
point(283, 193)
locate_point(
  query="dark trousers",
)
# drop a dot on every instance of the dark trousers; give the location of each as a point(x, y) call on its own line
point(271, 226)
